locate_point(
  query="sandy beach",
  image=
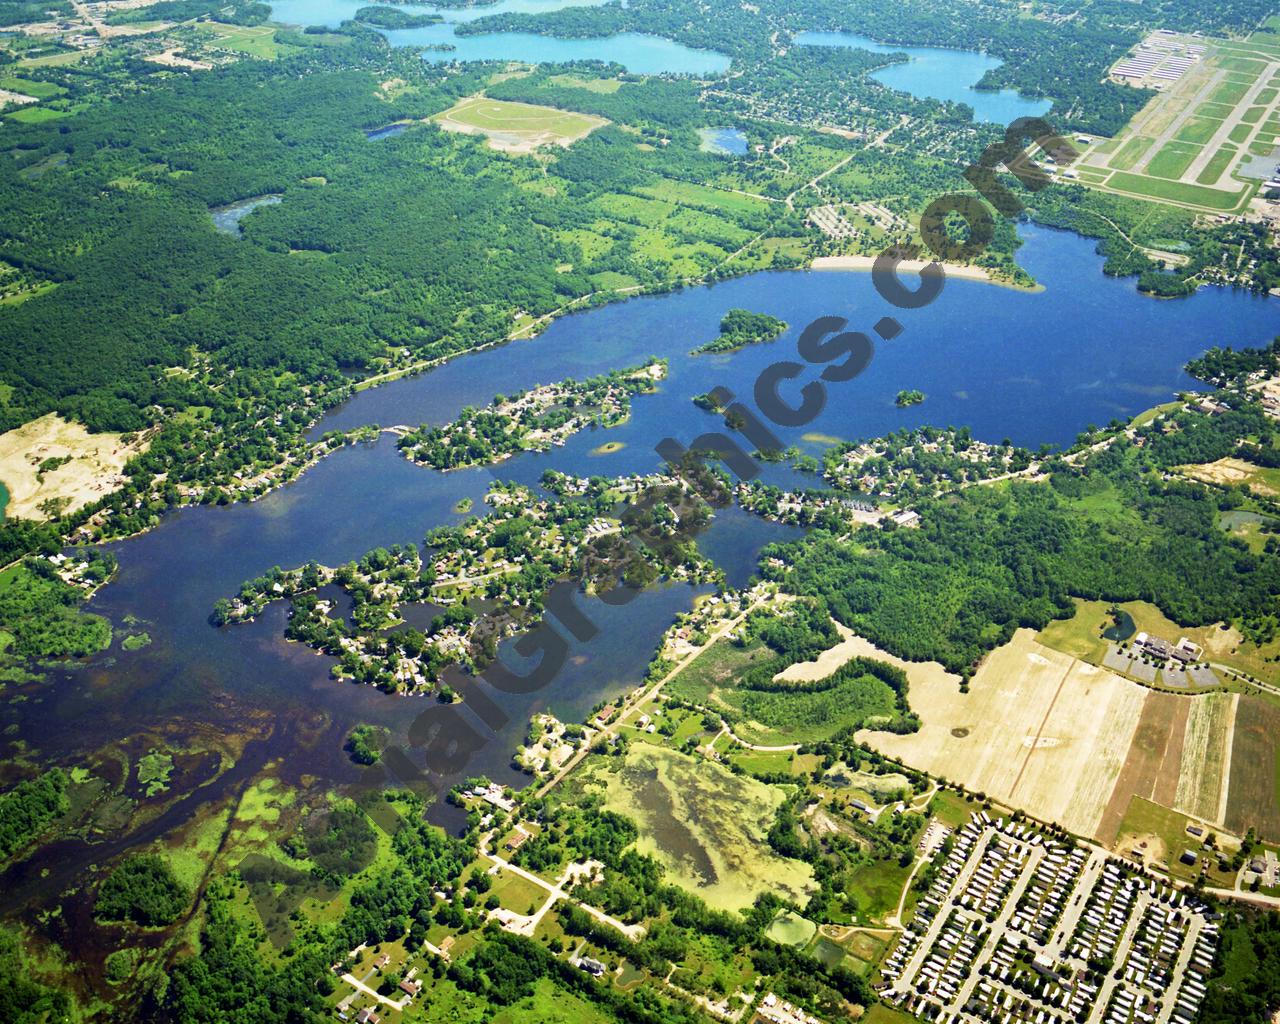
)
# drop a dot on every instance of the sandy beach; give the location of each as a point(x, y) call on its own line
point(865, 263)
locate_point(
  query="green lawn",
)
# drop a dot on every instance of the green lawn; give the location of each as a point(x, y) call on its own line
point(517, 894)
point(1081, 635)
point(877, 887)
point(1229, 93)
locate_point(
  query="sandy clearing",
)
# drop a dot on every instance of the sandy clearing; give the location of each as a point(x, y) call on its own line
point(1229, 471)
point(928, 673)
point(511, 138)
point(1038, 729)
point(94, 469)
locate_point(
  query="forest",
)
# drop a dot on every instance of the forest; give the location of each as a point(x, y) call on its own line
point(28, 807)
point(989, 560)
point(740, 328)
point(143, 890)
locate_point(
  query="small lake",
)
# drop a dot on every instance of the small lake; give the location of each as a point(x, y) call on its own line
point(386, 132)
point(937, 73)
point(642, 54)
point(723, 141)
point(227, 218)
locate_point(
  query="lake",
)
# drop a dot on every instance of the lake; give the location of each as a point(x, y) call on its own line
point(724, 141)
point(940, 74)
point(642, 54)
point(227, 218)
point(1034, 367)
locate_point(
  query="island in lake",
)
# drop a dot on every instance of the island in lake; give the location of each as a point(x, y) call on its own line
point(908, 398)
point(741, 328)
point(394, 18)
point(532, 420)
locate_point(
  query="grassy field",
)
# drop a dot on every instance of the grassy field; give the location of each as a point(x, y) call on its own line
point(882, 1014)
point(254, 40)
point(1081, 635)
point(517, 127)
point(1177, 191)
point(1164, 831)
point(1229, 93)
point(1198, 130)
point(716, 667)
point(790, 929)
point(518, 894)
point(1254, 792)
point(877, 887)
point(1130, 153)
point(1217, 164)
point(30, 87)
point(550, 1004)
point(600, 85)
point(679, 803)
point(1172, 160)
point(35, 115)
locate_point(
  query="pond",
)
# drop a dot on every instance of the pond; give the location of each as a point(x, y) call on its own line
point(385, 132)
point(724, 141)
point(227, 218)
point(940, 74)
point(1121, 629)
point(1034, 367)
point(642, 54)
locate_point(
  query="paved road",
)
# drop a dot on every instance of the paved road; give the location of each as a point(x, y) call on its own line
point(992, 942)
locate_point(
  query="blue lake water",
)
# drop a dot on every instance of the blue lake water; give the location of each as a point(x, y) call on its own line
point(227, 218)
point(1034, 367)
point(724, 141)
point(940, 74)
point(642, 54)
point(385, 132)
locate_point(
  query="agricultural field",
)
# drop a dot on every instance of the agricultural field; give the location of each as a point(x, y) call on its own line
point(678, 802)
point(517, 128)
point(1205, 756)
point(1033, 717)
point(1253, 795)
point(1183, 147)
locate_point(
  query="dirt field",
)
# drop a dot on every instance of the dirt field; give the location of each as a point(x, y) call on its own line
point(517, 128)
point(1254, 794)
point(1038, 729)
point(1152, 763)
point(93, 469)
